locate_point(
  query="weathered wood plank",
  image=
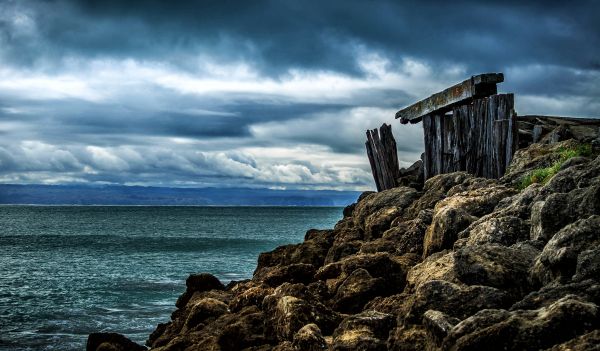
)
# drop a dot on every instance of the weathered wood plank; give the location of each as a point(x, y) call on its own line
point(383, 157)
point(479, 137)
point(477, 86)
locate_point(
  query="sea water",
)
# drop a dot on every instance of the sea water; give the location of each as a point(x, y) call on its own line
point(67, 271)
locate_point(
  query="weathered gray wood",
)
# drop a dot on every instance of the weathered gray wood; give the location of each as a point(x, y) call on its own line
point(479, 138)
point(475, 87)
point(383, 157)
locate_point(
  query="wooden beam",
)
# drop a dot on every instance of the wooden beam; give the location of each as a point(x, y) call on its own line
point(478, 86)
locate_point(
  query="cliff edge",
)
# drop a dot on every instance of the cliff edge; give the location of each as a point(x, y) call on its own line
point(464, 263)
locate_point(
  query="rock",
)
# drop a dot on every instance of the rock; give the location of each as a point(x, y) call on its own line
point(252, 295)
point(438, 325)
point(312, 251)
point(365, 331)
point(588, 265)
point(453, 214)
point(588, 290)
point(245, 330)
point(356, 290)
point(506, 230)
point(496, 266)
point(453, 299)
point(412, 176)
point(198, 283)
point(376, 211)
point(293, 273)
point(560, 209)
point(558, 260)
point(439, 266)
point(309, 338)
point(203, 310)
point(286, 314)
point(341, 250)
point(524, 329)
point(111, 342)
point(533, 157)
point(408, 338)
point(434, 190)
point(404, 237)
point(443, 232)
point(585, 342)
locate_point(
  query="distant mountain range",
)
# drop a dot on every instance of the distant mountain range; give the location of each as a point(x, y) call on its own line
point(139, 195)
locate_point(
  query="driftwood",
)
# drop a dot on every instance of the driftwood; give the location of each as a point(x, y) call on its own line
point(475, 87)
point(479, 138)
point(383, 157)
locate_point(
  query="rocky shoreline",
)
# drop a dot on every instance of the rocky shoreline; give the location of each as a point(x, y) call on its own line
point(456, 263)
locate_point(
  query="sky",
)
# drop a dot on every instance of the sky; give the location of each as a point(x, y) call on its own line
point(263, 94)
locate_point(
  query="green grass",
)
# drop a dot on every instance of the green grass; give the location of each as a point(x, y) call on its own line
point(543, 175)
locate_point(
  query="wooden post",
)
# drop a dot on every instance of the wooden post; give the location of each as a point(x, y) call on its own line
point(383, 157)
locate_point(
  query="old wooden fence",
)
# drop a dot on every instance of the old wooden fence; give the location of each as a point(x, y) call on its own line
point(467, 127)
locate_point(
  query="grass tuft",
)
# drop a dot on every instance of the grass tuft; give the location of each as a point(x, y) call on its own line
point(543, 175)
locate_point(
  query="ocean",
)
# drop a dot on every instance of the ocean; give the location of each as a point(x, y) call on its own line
point(67, 271)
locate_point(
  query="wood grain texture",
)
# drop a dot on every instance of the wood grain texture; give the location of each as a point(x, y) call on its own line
point(383, 157)
point(479, 137)
point(475, 87)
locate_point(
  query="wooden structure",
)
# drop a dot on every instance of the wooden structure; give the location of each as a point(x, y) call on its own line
point(383, 157)
point(467, 127)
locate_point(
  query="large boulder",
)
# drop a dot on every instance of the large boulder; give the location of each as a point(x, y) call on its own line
point(365, 331)
point(524, 329)
point(455, 213)
point(291, 307)
point(454, 300)
point(309, 338)
point(495, 265)
point(559, 258)
point(197, 283)
point(375, 212)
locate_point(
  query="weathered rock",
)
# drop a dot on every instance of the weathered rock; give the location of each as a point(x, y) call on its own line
point(293, 273)
point(365, 331)
point(246, 330)
point(403, 237)
point(312, 251)
point(198, 283)
point(588, 290)
point(111, 342)
point(438, 325)
point(560, 209)
point(586, 342)
point(506, 230)
point(341, 250)
point(286, 314)
point(252, 294)
point(559, 258)
point(496, 265)
point(453, 214)
point(434, 190)
point(439, 266)
point(524, 329)
point(376, 211)
point(203, 310)
point(309, 338)
point(453, 300)
point(356, 290)
point(408, 338)
point(535, 156)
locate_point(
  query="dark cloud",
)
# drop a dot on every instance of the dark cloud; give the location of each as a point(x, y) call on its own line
point(262, 93)
point(278, 35)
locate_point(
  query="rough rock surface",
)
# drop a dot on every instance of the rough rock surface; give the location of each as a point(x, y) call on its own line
point(459, 263)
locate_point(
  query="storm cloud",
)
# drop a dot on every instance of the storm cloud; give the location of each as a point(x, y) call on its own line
point(262, 93)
